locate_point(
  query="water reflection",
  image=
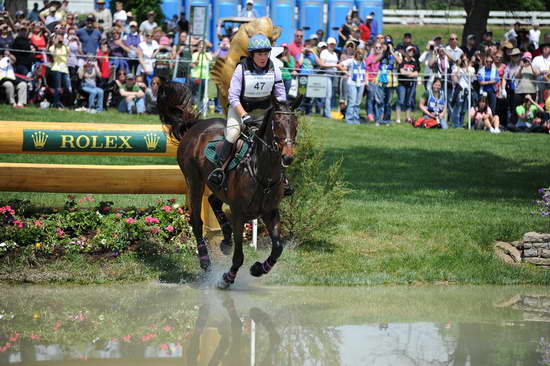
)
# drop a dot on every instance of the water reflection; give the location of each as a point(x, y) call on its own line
point(157, 325)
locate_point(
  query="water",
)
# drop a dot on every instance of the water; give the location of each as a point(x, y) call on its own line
point(153, 324)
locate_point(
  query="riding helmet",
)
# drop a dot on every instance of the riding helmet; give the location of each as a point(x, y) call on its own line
point(259, 43)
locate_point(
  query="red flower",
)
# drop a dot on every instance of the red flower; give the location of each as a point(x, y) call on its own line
point(155, 229)
point(18, 223)
point(167, 328)
point(172, 200)
point(59, 232)
point(34, 337)
point(130, 220)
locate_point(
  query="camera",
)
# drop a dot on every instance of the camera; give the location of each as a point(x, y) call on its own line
point(432, 47)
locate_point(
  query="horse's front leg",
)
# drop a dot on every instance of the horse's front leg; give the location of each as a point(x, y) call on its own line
point(217, 207)
point(273, 221)
point(228, 278)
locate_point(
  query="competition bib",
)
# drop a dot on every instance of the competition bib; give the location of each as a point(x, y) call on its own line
point(258, 86)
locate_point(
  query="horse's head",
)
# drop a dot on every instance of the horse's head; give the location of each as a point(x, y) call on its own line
point(285, 125)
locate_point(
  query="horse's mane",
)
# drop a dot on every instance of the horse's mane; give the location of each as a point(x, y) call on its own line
point(176, 109)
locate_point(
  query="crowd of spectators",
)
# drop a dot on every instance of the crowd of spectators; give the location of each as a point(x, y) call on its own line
point(52, 57)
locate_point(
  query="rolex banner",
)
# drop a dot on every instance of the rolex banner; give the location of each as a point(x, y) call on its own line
point(96, 141)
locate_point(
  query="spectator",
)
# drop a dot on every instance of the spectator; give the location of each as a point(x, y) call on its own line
point(487, 39)
point(75, 51)
point(428, 58)
point(34, 14)
point(534, 35)
point(471, 46)
point(172, 24)
point(103, 16)
point(115, 86)
point(348, 52)
point(512, 34)
point(387, 75)
point(529, 115)
point(526, 75)
point(375, 98)
point(437, 41)
point(146, 50)
point(52, 18)
point(502, 102)
point(408, 69)
point(364, 29)
point(151, 94)
point(462, 74)
point(373, 25)
point(60, 70)
point(507, 48)
point(287, 71)
point(524, 43)
point(510, 75)
point(488, 81)
point(133, 98)
point(200, 65)
point(320, 35)
point(542, 65)
point(356, 79)
point(6, 38)
point(452, 50)
point(9, 83)
point(21, 50)
point(407, 41)
point(149, 24)
point(120, 13)
point(69, 23)
point(163, 59)
point(483, 116)
point(183, 24)
point(441, 68)
point(119, 50)
point(88, 73)
point(296, 46)
point(89, 36)
point(248, 10)
point(133, 39)
point(329, 63)
point(38, 40)
point(104, 64)
point(308, 61)
point(433, 105)
point(345, 32)
point(223, 48)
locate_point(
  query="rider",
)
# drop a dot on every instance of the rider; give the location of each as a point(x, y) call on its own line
point(255, 80)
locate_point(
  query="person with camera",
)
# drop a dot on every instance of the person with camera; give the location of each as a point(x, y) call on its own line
point(434, 107)
point(526, 76)
point(462, 75)
point(8, 81)
point(488, 81)
point(60, 70)
point(254, 84)
point(408, 73)
point(356, 73)
point(428, 58)
point(88, 74)
point(387, 75)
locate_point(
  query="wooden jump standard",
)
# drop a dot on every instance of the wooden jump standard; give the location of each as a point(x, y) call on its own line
point(91, 139)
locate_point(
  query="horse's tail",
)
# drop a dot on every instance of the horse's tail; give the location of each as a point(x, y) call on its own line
point(176, 109)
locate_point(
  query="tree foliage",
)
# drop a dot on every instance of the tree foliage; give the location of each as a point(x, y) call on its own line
point(140, 8)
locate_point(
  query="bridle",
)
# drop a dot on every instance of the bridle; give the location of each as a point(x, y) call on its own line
point(279, 142)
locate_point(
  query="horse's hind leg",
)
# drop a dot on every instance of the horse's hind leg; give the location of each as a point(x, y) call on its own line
point(238, 257)
point(216, 204)
point(196, 190)
point(272, 221)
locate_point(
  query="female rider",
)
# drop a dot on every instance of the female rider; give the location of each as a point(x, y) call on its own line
point(255, 80)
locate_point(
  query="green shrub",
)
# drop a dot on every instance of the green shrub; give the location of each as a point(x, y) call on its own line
point(313, 210)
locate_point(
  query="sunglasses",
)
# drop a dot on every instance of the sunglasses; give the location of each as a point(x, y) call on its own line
point(453, 39)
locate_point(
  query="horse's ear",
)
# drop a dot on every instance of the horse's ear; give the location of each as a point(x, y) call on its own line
point(296, 102)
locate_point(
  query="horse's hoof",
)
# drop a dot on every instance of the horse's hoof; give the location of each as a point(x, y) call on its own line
point(222, 285)
point(205, 264)
point(226, 247)
point(257, 270)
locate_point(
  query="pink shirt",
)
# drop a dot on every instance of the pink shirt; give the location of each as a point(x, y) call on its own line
point(295, 49)
point(372, 67)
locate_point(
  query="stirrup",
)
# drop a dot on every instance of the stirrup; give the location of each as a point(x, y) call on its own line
point(217, 177)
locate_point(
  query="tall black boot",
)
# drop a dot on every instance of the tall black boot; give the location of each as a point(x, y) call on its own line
point(217, 176)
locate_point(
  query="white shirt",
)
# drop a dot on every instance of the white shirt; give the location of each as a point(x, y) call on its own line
point(542, 64)
point(146, 26)
point(329, 58)
point(349, 64)
point(148, 50)
point(6, 69)
point(534, 37)
point(455, 53)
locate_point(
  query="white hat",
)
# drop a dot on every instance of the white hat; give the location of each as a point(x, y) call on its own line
point(321, 44)
point(250, 2)
point(331, 40)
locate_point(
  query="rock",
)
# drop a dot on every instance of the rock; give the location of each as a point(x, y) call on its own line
point(532, 237)
point(545, 253)
point(526, 245)
point(530, 253)
point(517, 244)
point(510, 250)
point(540, 245)
point(538, 261)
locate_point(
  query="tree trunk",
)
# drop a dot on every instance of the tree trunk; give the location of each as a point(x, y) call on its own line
point(14, 5)
point(477, 13)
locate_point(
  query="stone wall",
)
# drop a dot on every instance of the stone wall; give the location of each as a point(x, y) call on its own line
point(534, 249)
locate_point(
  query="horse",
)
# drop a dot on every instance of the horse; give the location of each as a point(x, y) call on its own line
point(252, 190)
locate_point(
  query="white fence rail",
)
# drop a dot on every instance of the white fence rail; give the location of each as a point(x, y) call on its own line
point(458, 17)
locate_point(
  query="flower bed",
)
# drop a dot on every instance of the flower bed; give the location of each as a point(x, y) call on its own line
point(85, 227)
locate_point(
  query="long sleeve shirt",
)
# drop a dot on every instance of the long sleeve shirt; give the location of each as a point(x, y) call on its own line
point(237, 81)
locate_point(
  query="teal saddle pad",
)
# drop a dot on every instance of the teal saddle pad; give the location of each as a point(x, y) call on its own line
point(212, 155)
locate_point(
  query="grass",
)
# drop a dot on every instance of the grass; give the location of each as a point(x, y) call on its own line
point(426, 206)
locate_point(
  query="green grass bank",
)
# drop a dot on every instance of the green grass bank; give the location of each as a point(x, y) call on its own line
point(425, 206)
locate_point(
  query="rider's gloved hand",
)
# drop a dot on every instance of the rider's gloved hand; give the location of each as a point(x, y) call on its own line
point(246, 120)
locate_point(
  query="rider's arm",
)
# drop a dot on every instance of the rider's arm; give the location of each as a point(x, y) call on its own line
point(234, 92)
point(279, 91)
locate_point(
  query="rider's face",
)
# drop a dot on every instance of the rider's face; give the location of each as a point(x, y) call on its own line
point(261, 58)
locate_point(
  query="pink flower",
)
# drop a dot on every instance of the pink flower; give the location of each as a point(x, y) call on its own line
point(57, 325)
point(59, 232)
point(71, 197)
point(167, 328)
point(151, 220)
point(7, 209)
point(18, 223)
point(130, 220)
point(118, 215)
point(164, 347)
point(172, 200)
point(34, 337)
point(38, 223)
point(180, 210)
point(155, 229)
point(169, 228)
point(127, 338)
point(166, 208)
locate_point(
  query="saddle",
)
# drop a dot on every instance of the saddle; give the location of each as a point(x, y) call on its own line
point(240, 151)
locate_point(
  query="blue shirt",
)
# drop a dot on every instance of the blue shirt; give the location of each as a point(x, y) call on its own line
point(490, 74)
point(89, 40)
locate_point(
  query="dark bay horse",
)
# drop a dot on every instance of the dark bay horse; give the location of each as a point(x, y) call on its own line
point(252, 190)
